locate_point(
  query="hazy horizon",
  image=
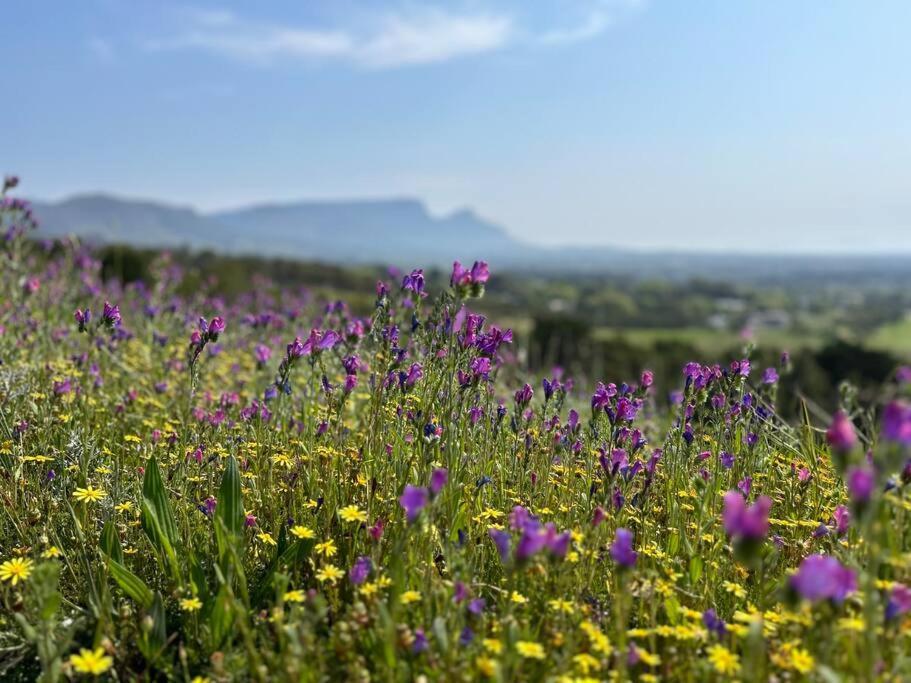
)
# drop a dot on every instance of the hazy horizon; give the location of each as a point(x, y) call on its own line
point(724, 127)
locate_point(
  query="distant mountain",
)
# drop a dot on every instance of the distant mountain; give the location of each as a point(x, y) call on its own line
point(105, 219)
point(360, 231)
point(403, 232)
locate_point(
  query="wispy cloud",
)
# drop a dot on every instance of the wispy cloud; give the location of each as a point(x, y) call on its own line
point(408, 36)
point(421, 37)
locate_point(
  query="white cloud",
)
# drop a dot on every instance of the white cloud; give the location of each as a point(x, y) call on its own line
point(596, 23)
point(411, 35)
point(395, 40)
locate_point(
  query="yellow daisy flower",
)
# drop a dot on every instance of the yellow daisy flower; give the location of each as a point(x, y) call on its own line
point(16, 570)
point(89, 494)
point(93, 662)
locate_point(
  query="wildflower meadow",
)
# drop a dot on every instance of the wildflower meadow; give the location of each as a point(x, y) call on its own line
point(277, 488)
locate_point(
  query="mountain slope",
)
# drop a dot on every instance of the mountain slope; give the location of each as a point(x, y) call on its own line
point(393, 230)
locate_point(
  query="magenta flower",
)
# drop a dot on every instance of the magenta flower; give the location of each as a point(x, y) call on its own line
point(438, 479)
point(842, 520)
point(413, 500)
point(899, 601)
point(822, 577)
point(840, 435)
point(746, 522)
point(216, 327)
point(896, 425)
point(110, 316)
point(861, 484)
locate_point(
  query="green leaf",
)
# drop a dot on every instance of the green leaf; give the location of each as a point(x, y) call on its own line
point(158, 507)
point(695, 568)
point(130, 584)
point(110, 542)
point(162, 544)
point(230, 508)
point(222, 617)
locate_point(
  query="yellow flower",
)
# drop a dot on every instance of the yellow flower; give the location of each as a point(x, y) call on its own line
point(266, 538)
point(493, 645)
point(16, 570)
point(125, 506)
point(486, 666)
point(352, 513)
point(93, 662)
point(302, 532)
point(723, 660)
point(802, 661)
point(327, 548)
point(586, 663)
point(561, 606)
point(408, 597)
point(530, 650)
point(89, 494)
point(295, 596)
point(190, 604)
point(199, 679)
point(330, 573)
point(518, 598)
point(51, 553)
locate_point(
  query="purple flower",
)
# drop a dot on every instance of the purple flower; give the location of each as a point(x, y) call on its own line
point(903, 374)
point(770, 376)
point(861, 484)
point(899, 601)
point(480, 272)
point(501, 540)
point(477, 605)
point(727, 460)
point(295, 349)
point(360, 570)
point(408, 379)
point(897, 423)
point(746, 522)
point(822, 577)
point(83, 318)
point(216, 327)
point(713, 623)
point(419, 644)
point(413, 500)
point(621, 550)
point(110, 316)
point(524, 395)
point(414, 282)
point(842, 520)
point(840, 435)
point(262, 353)
point(438, 479)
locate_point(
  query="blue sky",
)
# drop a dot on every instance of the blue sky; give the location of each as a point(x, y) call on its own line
point(736, 125)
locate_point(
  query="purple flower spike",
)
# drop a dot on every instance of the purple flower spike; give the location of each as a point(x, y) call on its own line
point(746, 522)
point(360, 570)
point(822, 577)
point(621, 550)
point(413, 500)
point(861, 484)
point(438, 480)
point(501, 540)
point(840, 435)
